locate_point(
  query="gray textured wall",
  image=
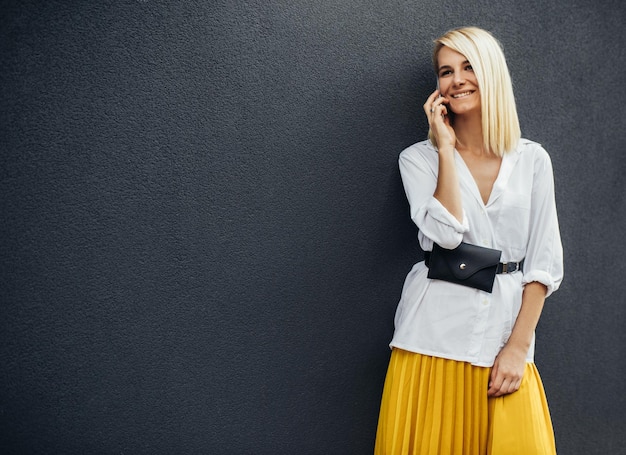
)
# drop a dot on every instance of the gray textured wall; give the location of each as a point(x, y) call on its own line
point(203, 231)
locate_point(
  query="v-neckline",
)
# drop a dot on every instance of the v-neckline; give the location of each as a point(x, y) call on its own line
point(506, 166)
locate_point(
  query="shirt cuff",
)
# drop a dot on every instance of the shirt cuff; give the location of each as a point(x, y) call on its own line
point(441, 214)
point(542, 277)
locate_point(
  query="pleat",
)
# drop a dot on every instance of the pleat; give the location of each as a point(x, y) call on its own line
point(438, 406)
point(520, 423)
point(431, 406)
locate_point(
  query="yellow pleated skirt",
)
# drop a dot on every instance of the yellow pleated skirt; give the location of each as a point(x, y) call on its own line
point(435, 406)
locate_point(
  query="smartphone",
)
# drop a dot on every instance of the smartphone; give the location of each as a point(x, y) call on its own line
point(439, 96)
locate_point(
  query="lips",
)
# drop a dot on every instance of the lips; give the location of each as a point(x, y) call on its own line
point(462, 94)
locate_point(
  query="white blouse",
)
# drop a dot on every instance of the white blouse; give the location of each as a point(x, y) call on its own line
point(457, 322)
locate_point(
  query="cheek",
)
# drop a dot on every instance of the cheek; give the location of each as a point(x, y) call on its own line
point(444, 87)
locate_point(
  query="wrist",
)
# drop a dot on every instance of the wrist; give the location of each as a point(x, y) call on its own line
point(446, 150)
point(518, 345)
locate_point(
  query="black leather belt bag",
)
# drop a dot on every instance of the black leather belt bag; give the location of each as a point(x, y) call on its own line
point(468, 265)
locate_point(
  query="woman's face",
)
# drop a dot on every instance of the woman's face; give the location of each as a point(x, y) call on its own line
point(457, 82)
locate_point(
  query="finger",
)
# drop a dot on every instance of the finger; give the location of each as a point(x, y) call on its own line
point(429, 102)
point(494, 374)
point(441, 111)
point(433, 96)
point(494, 390)
point(501, 390)
point(438, 110)
point(440, 107)
point(495, 381)
point(511, 387)
point(508, 386)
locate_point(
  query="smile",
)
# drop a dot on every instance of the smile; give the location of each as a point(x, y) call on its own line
point(462, 95)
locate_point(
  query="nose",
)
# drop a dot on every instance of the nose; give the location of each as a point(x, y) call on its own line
point(459, 79)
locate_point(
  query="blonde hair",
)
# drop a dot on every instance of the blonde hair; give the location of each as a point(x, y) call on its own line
point(500, 124)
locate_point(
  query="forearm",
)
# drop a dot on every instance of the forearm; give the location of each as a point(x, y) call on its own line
point(448, 191)
point(508, 368)
point(533, 298)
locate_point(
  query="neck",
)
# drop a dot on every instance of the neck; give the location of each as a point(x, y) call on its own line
point(469, 133)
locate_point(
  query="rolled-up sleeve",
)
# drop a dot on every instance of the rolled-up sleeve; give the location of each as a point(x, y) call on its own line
point(544, 253)
point(434, 221)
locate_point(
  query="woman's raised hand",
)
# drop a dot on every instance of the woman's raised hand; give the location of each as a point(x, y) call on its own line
point(439, 122)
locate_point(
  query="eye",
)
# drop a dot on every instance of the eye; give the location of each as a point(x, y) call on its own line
point(469, 68)
point(445, 73)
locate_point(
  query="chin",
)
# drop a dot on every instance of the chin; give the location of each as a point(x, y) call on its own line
point(462, 110)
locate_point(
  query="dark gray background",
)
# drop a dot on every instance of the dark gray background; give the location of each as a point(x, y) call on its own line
point(204, 233)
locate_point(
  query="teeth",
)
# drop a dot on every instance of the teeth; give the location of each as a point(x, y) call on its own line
point(460, 95)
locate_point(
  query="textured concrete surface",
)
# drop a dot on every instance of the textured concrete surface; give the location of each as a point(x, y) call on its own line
point(203, 231)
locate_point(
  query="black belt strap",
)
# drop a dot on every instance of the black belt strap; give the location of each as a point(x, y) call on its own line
point(503, 267)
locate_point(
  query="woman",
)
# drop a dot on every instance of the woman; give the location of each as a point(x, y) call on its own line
point(461, 377)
